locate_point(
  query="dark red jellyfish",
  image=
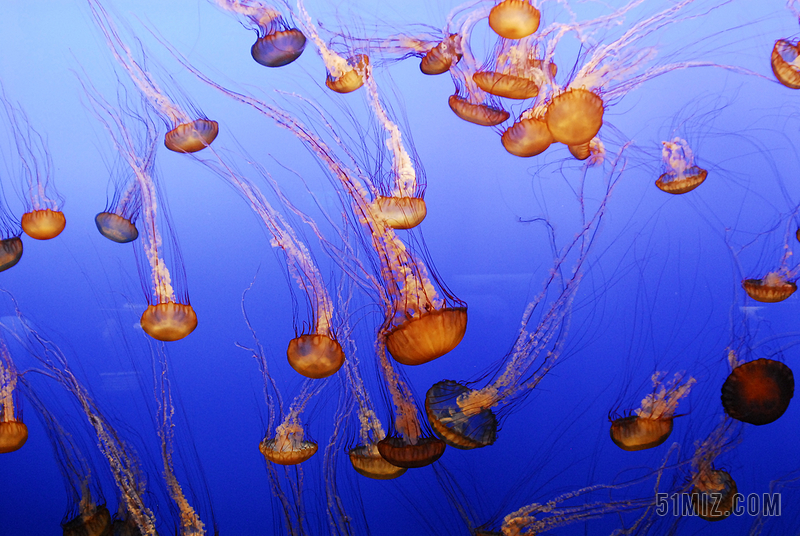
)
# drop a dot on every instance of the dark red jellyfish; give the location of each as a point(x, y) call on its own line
point(758, 392)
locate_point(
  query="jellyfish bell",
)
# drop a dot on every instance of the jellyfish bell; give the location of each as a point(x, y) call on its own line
point(480, 114)
point(423, 338)
point(90, 522)
point(401, 212)
point(397, 451)
point(368, 462)
point(527, 137)
point(315, 356)
point(279, 47)
point(773, 288)
point(514, 19)
point(288, 447)
point(192, 136)
point(440, 58)
point(43, 224)
point(506, 85)
point(758, 392)
point(785, 61)
point(682, 175)
point(168, 321)
point(13, 435)
point(633, 433)
point(116, 228)
point(460, 418)
point(575, 116)
point(350, 79)
point(714, 495)
point(10, 252)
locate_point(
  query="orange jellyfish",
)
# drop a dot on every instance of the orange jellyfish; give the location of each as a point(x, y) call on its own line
point(440, 58)
point(345, 75)
point(514, 19)
point(187, 133)
point(757, 392)
point(278, 43)
point(466, 417)
point(43, 218)
point(682, 174)
point(713, 490)
point(529, 135)
point(289, 445)
point(651, 424)
point(772, 288)
point(13, 432)
point(515, 70)
point(785, 61)
point(401, 202)
point(593, 152)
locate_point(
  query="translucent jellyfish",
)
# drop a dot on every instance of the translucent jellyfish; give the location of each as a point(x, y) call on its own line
point(514, 19)
point(188, 132)
point(278, 43)
point(13, 432)
point(10, 242)
point(93, 520)
point(401, 203)
point(772, 288)
point(118, 221)
point(345, 75)
point(758, 392)
point(651, 424)
point(785, 61)
point(682, 174)
point(466, 417)
point(169, 315)
point(515, 70)
point(289, 445)
point(43, 218)
point(713, 490)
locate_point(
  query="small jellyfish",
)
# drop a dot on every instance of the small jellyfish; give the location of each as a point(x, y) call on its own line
point(758, 392)
point(529, 136)
point(442, 57)
point(713, 490)
point(785, 61)
point(277, 42)
point(187, 134)
point(10, 242)
point(93, 520)
point(118, 221)
point(682, 174)
point(514, 19)
point(13, 432)
point(289, 445)
point(772, 288)
point(651, 425)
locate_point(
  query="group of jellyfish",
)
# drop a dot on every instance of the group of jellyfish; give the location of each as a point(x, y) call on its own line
point(381, 254)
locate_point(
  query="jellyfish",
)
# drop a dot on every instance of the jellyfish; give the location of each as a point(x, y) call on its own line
point(187, 133)
point(682, 174)
point(651, 424)
point(528, 136)
point(514, 19)
point(465, 417)
point(13, 432)
point(515, 70)
point(118, 221)
point(757, 392)
point(169, 315)
point(10, 242)
point(785, 57)
point(43, 218)
point(345, 75)
point(713, 490)
point(277, 42)
point(772, 288)
point(289, 445)
point(93, 520)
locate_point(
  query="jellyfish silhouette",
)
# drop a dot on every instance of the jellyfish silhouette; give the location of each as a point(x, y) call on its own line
point(118, 221)
point(758, 392)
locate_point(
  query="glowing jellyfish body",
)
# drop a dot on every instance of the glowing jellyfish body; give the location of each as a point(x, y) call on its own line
point(423, 338)
point(192, 136)
point(479, 113)
point(506, 85)
point(773, 288)
point(463, 429)
point(785, 61)
point(350, 78)
point(368, 462)
point(714, 495)
point(527, 137)
point(574, 116)
point(682, 176)
point(10, 252)
point(514, 19)
point(13, 435)
point(168, 321)
point(43, 224)
point(439, 59)
point(315, 356)
point(285, 451)
point(402, 212)
point(13, 432)
point(116, 228)
point(758, 392)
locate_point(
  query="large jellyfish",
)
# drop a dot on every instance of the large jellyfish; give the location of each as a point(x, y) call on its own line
point(277, 43)
point(757, 392)
point(651, 424)
point(169, 315)
point(43, 218)
point(465, 417)
point(189, 131)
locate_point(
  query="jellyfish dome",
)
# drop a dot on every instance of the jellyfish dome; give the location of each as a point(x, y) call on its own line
point(368, 462)
point(575, 116)
point(116, 228)
point(43, 224)
point(506, 85)
point(93, 523)
point(315, 356)
point(191, 137)
point(527, 137)
point(514, 19)
point(169, 321)
point(397, 452)
point(288, 447)
point(279, 48)
point(773, 288)
point(480, 114)
point(13, 435)
point(785, 62)
point(682, 175)
point(758, 392)
point(440, 58)
point(423, 338)
point(10, 252)
point(714, 495)
point(402, 212)
point(351, 79)
point(458, 419)
point(636, 433)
